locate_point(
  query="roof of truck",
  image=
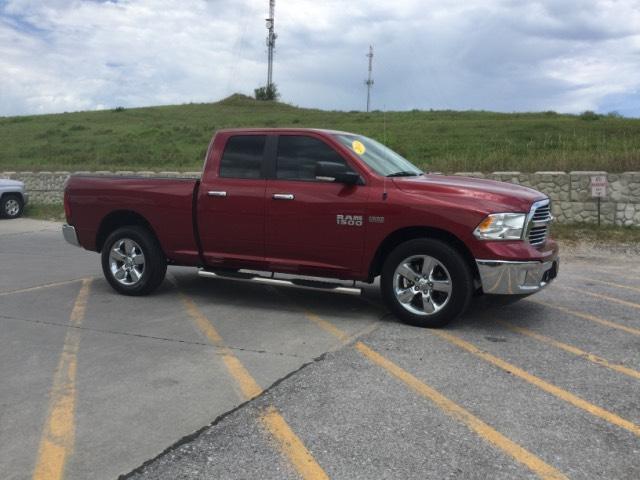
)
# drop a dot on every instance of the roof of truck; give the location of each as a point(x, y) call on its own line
point(282, 130)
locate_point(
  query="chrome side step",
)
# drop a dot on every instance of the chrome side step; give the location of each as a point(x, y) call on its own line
point(304, 284)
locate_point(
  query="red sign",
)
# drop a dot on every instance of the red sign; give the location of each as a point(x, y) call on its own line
point(599, 186)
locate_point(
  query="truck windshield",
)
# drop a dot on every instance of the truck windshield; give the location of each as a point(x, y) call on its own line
point(379, 158)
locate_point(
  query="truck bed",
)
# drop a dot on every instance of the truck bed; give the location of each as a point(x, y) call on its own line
point(167, 204)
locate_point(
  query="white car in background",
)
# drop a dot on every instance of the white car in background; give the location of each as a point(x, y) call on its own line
point(13, 198)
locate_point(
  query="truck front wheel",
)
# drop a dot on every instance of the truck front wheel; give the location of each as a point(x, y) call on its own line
point(426, 283)
point(132, 261)
point(11, 206)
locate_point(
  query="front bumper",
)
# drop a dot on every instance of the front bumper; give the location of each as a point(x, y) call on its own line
point(516, 278)
point(70, 235)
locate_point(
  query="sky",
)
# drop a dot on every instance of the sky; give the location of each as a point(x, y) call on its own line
point(499, 55)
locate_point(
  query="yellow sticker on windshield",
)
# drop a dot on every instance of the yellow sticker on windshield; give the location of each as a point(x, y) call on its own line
point(358, 147)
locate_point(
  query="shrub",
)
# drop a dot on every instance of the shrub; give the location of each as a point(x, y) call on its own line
point(589, 115)
point(267, 93)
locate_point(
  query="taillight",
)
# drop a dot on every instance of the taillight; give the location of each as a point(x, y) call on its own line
point(67, 207)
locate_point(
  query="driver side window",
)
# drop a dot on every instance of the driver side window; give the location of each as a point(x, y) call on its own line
point(298, 156)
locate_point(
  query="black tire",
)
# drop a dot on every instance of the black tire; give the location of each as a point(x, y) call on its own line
point(11, 206)
point(456, 271)
point(146, 279)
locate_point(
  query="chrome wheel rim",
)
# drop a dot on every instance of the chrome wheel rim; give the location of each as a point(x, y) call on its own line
point(12, 207)
point(422, 285)
point(126, 261)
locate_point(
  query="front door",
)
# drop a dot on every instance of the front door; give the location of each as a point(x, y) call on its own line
point(314, 226)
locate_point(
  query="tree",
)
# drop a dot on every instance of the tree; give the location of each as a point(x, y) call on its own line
point(269, 92)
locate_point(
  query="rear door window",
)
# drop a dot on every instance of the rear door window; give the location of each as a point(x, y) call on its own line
point(243, 157)
point(298, 156)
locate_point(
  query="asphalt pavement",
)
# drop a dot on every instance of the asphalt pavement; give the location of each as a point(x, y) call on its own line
point(212, 378)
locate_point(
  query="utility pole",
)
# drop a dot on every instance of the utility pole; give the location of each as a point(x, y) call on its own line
point(369, 81)
point(271, 40)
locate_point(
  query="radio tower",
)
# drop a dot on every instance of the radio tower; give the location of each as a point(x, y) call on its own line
point(369, 81)
point(271, 41)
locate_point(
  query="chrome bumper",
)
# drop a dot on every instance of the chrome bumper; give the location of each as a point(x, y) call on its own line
point(70, 235)
point(516, 278)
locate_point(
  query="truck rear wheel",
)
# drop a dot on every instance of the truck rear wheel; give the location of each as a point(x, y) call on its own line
point(132, 261)
point(426, 283)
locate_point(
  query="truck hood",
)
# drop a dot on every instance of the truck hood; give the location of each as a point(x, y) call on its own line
point(489, 196)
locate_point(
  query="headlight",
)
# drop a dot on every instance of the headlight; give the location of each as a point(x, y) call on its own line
point(501, 226)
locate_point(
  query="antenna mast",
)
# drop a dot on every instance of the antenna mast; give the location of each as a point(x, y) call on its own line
point(369, 81)
point(271, 40)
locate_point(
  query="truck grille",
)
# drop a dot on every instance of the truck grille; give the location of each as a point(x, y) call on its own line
point(537, 235)
point(539, 219)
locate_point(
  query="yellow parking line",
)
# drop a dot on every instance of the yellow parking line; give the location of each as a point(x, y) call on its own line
point(614, 270)
point(604, 282)
point(327, 326)
point(40, 287)
point(588, 316)
point(535, 464)
point(543, 385)
point(290, 445)
point(604, 297)
point(571, 349)
point(58, 435)
point(628, 277)
point(294, 449)
point(248, 386)
point(330, 327)
point(486, 432)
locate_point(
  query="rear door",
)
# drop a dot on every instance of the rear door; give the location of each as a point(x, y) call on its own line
point(231, 204)
point(313, 226)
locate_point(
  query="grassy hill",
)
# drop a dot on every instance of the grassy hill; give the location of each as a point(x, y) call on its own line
point(176, 137)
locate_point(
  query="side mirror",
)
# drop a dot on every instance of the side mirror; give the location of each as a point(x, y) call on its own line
point(336, 172)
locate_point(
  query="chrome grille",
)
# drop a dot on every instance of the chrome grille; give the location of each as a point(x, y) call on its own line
point(542, 213)
point(537, 235)
point(539, 219)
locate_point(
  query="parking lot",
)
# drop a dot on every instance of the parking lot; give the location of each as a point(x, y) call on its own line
point(213, 378)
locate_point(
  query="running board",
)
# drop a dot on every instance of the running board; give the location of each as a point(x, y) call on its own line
point(315, 285)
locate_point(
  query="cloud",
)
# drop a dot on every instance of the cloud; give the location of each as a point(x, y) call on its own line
point(502, 55)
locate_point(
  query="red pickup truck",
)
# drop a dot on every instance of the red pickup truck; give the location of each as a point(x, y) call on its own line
point(320, 203)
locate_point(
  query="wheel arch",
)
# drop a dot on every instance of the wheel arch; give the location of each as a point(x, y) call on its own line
point(410, 233)
point(10, 193)
point(121, 218)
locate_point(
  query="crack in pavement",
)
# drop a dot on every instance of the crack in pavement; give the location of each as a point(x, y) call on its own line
point(151, 337)
point(40, 230)
point(192, 436)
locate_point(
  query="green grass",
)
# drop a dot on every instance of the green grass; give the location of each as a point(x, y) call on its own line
point(176, 137)
point(40, 211)
point(590, 233)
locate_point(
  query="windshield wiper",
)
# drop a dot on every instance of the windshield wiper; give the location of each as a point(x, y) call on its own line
point(404, 173)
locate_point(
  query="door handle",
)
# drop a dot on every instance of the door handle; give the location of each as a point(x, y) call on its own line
point(216, 193)
point(283, 196)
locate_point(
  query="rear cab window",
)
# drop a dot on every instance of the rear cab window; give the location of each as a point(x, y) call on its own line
point(298, 156)
point(243, 157)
